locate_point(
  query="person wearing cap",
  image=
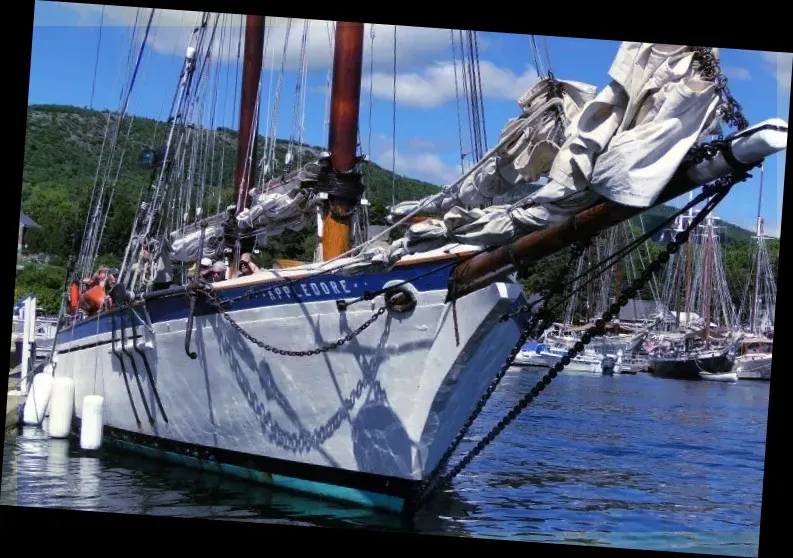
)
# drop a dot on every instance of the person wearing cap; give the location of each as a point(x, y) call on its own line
point(247, 267)
point(199, 269)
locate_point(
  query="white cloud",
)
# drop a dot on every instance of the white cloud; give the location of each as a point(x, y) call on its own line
point(780, 64)
point(435, 85)
point(423, 166)
point(415, 45)
point(419, 159)
point(737, 73)
point(772, 230)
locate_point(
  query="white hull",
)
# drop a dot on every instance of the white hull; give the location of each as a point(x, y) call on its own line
point(753, 367)
point(585, 364)
point(530, 358)
point(719, 377)
point(409, 387)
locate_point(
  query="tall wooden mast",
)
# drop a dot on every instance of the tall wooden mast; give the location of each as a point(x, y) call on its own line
point(343, 135)
point(248, 130)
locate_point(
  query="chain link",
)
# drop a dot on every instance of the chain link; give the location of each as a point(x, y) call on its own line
point(311, 352)
point(709, 68)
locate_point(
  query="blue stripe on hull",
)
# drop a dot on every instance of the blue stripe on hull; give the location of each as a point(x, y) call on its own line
point(333, 492)
point(310, 289)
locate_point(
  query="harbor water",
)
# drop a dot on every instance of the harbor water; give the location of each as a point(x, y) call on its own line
point(631, 461)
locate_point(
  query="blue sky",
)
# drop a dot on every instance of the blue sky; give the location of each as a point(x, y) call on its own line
point(427, 142)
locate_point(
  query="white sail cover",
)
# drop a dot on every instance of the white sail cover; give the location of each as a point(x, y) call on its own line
point(271, 213)
point(524, 153)
point(624, 145)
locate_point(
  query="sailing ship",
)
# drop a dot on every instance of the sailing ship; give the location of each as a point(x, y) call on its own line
point(698, 352)
point(352, 376)
point(753, 361)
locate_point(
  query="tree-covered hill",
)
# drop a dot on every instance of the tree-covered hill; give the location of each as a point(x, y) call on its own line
point(62, 149)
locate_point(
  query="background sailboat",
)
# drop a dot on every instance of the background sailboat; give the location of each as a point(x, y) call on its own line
point(759, 309)
point(697, 282)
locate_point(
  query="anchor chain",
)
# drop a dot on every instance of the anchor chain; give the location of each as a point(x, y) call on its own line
point(311, 352)
point(434, 481)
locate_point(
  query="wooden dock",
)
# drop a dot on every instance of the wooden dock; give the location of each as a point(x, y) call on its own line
point(13, 398)
point(12, 412)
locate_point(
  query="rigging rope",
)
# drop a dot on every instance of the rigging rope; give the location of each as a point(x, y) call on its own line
point(93, 236)
point(96, 62)
point(457, 99)
point(536, 56)
point(371, 98)
point(393, 115)
point(157, 195)
point(272, 132)
point(297, 106)
point(480, 99)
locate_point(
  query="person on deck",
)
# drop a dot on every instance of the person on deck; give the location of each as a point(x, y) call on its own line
point(92, 299)
point(110, 283)
point(247, 267)
point(199, 269)
point(97, 278)
point(217, 272)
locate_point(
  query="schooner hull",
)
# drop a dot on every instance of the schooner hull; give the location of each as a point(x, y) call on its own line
point(364, 422)
point(687, 368)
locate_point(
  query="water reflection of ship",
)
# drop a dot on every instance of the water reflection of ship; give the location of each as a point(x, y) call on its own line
point(190, 493)
point(89, 471)
point(36, 463)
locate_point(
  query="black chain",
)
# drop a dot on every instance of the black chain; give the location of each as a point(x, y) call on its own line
point(710, 70)
point(720, 188)
point(335, 345)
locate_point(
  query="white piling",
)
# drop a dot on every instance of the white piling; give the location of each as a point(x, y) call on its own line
point(49, 369)
point(28, 336)
point(38, 399)
point(92, 422)
point(62, 408)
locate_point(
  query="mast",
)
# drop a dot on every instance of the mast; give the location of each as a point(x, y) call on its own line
point(590, 292)
point(248, 130)
point(754, 309)
point(343, 134)
point(708, 289)
point(677, 283)
point(618, 267)
point(689, 263)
